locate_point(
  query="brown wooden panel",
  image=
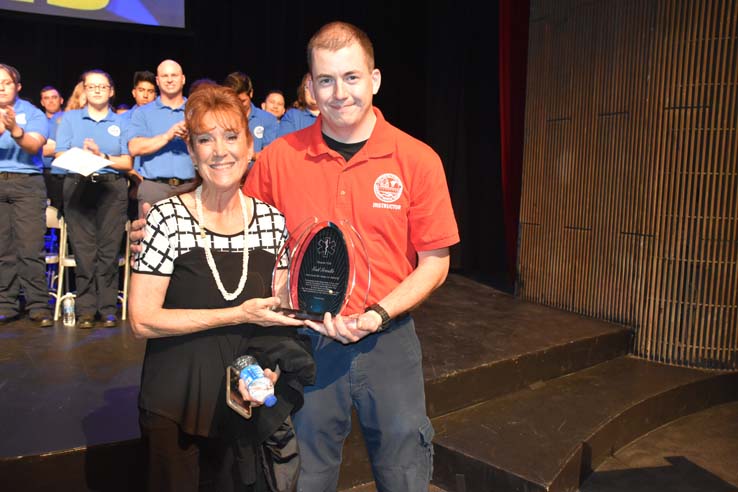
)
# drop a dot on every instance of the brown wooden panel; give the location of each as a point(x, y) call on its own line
point(630, 184)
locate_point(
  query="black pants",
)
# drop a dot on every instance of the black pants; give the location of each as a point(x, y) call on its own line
point(181, 462)
point(96, 219)
point(22, 229)
point(55, 189)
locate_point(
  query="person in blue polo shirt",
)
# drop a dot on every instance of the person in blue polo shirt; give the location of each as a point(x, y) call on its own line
point(157, 133)
point(23, 132)
point(95, 206)
point(52, 102)
point(144, 92)
point(303, 113)
point(263, 126)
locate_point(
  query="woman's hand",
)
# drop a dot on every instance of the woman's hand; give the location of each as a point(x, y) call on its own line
point(273, 376)
point(91, 146)
point(263, 312)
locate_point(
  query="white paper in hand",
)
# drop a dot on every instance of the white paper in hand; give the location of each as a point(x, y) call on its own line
point(80, 161)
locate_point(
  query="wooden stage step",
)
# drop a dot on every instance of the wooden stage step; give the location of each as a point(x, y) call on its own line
point(550, 436)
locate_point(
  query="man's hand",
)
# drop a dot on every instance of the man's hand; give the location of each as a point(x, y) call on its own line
point(138, 229)
point(347, 329)
point(177, 130)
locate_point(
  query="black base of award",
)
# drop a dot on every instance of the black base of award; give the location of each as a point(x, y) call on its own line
point(299, 314)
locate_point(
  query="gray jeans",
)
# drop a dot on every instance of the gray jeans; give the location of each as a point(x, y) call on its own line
point(153, 191)
point(382, 377)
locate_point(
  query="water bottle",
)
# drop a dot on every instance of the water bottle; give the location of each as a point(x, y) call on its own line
point(68, 316)
point(260, 387)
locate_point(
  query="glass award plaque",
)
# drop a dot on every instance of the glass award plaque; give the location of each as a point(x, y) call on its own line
point(316, 271)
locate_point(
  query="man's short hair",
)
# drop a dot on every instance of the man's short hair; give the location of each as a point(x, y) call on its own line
point(239, 82)
point(49, 88)
point(199, 83)
point(144, 76)
point(12, 71)
point(336, 35)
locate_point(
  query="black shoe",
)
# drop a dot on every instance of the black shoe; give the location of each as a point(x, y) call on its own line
point(86, 322)
point(110, 321)
point(43, 319)
point(7, 318)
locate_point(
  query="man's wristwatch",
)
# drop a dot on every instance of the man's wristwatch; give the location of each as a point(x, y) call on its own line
point(382, 313)
point(23, 132)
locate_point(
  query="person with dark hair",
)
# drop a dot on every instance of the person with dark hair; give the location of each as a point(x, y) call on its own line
point(144, 92)
point(52, 102)
point(201, 296)
point(274, 103)
point(144, 88)
point(157, 133)
point(95, 205)
point(23, 132)
point(205, 81)
point(304, 111)
point(263, 126)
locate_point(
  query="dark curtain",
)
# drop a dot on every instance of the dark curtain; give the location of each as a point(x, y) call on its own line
point(440, 82)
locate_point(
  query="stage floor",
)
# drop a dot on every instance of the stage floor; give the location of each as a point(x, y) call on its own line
point(66, 388)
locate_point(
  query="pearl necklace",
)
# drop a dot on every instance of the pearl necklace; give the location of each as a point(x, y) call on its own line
point(209, 255)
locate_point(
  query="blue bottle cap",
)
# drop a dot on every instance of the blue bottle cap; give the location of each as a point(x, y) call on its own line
point(270, 401)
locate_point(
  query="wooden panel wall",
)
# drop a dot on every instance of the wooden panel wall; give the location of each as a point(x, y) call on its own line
point(629, 206)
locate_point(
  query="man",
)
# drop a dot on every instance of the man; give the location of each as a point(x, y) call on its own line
point(157, 133)
point(52, 102)
point(143, 92)
point(274, 103)
point(264, 126)
point(144, 88)
point(353, 165)
point(23, 132)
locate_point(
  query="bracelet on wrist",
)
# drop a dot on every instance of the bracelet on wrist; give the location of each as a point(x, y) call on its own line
point(23, 132)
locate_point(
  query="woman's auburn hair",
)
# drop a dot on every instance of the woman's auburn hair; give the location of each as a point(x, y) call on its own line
point(222, 103)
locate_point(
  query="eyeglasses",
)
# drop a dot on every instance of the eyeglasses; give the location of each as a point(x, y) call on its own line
point(101, 87)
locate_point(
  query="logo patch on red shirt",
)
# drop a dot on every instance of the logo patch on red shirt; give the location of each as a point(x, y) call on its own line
point(388, 188)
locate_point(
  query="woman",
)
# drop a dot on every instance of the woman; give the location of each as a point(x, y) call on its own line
point(78, 99)
point(200, 295)
point(304, 111)
point(95, 205)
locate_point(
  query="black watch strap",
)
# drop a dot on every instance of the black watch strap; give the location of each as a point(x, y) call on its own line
point(382, 313)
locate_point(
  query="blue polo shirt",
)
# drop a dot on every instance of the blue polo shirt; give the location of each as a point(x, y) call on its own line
point(296, 119)
point(108, 133)
point(13, 159)
point(264, 127)
point(126, 119)
point(172, 160)
point(54, 121)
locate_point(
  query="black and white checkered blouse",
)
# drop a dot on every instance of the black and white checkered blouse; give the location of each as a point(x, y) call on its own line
point(172, 231)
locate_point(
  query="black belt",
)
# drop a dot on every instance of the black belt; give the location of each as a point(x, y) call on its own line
point(6, 176)
point(171, 181)
point(96, 178)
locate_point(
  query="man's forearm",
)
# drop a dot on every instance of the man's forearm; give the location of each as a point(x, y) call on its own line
point(430, 274)
point(147, 145)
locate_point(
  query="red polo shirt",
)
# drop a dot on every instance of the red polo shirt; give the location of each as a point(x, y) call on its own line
point(393, 192)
